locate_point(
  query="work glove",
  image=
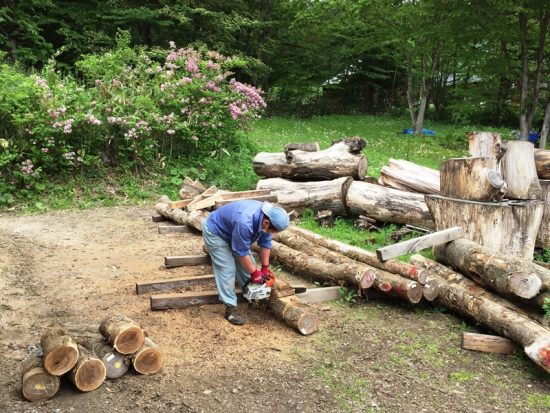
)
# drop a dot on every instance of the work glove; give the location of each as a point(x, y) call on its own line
point(266, 273)
point(256, 277)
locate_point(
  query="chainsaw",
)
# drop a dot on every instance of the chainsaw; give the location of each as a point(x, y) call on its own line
point(259, 291)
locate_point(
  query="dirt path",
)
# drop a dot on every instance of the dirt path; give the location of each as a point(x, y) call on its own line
point(79, 266)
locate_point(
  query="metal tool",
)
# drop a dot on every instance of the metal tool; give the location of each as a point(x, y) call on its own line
point(259, 291)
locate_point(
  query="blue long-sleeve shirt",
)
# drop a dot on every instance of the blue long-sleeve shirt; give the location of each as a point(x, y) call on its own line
point(239, 224)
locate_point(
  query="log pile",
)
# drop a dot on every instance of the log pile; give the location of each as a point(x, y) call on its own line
point(87, 356)
point(410, 177)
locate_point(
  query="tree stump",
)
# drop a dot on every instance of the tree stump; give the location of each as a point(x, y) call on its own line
point(89, 372)
point(125, 335)
point(148, 359)
point(60, 351)
point(485, 145)
point(475, 179)
point(37, 384)
point(519, 171)
point(543, 236)
point(507, 227)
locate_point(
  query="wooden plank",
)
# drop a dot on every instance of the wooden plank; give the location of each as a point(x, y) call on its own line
point(158, 218)
point(187, 299)
point(488, 343)
point(172, 284)
point(417, 244)
point(182, 203)
point(183, 260)
point(247, 194)
point(262, 198)
point(204, 203)
point(168, 229)
point(319, 295)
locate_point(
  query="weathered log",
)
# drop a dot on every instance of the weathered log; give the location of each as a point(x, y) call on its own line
point(60, 351)
point(388, 204)
point(405, 174)
point(519, 171)
point(37, 384)
point(487, 343)
point(508, 227)
point(116, 364)
point(485, 145)
point(463, 296)
point(89, 372)
point(190, 188)
point(331, 163)
point(543, 236)
point(476, 179)
point(329, 195)
point(359, 254)
point(306, 147)
point(386, 180)
point(303, 264)
point(509, 277)
point(124, 333)
point(542, 163)
point(355, 144)
point(163, 208)
point(148, 359)
point(397, 286)
point(294, 313)
point(430, 289)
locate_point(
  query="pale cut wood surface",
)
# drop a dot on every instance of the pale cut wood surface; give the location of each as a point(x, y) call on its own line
point(485, 145)
point(488, 343)
point(519, 171)
point(543, 235)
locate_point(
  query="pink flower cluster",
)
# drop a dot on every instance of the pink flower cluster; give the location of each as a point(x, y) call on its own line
point(67, 125)
point(27, 167)
point(251, 102)
point(115, 120)
point(92, 120)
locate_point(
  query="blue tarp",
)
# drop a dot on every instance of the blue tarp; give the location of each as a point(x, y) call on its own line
point(410, 131)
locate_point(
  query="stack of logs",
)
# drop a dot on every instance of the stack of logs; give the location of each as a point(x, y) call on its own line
point(87, 357)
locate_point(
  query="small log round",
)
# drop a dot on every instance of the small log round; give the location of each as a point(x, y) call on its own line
point(430, 289)
point(126, 336)
point(542, 163)
point(37, 384)
point(60, 351)
point(116, 364)
point(89, 372)
point(294, 314)
point(148, 359)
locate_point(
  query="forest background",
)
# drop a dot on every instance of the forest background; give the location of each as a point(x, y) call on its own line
point(139, 94)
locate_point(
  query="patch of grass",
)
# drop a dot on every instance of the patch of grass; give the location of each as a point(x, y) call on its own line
point(461, 377)
point(538, 401)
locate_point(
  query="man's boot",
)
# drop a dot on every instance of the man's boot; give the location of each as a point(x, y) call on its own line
point(233, 316)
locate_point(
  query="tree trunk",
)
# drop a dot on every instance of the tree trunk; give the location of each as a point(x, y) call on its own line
point(410, 175)
point(60, 351)
point(485, 145)
point(89, 372)
point(475, 179)
point(508, 277)
point(358, 254)
point(463, 296)
point(331, 163)
point(388, 205)
point(123, 332)
point(544, 129)
point(543, 236)
point(148, 359)
point(37, 384)
point(524, 84)
point(519, 171)
point(298, 196)
point(303, 264)
point(542, 163)
point(508, 227)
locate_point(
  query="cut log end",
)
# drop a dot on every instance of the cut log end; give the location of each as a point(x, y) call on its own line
point(367, 279)
point(90, 375)
point(430, 290)
point(307, 324)
point(39, 385)
point(539, 352)
point(60, 360)
point(129, 341)
point(148, 361)
point(524, 285)
point(116, 364)
point(411, 292)
point(384, 287)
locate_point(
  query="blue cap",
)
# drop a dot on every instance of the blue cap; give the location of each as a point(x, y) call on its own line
point(277, 215)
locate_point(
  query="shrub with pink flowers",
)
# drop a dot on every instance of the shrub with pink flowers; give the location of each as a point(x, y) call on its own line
point(129, 108)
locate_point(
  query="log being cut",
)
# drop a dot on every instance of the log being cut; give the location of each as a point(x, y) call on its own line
point(388, 205)
point(508, 227)
point(459, 294)
point(316, 195)
point(408, 176)
point(334, 162)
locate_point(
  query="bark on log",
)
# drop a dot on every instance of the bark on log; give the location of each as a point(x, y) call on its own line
point(543, 236)
point(124, 333)
point(89, 372)
point(302, 264)
point(485, 145)
point(508, 227)
point(405, 174)
point(37, 384)
point(542, 163)
point(294, 313)
point(475, 179)
point(331, 163)
point(359, 254)
point(329, 195)
point(193, 219)
point(519, 171)
point(190, 188)
point(506, 276)
point(386, 180)
point(306, 147)
point(397, 286)
point(389, 205)
point(355, 144)
point(60, 351)
point(463, 296)
point(148, 359)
